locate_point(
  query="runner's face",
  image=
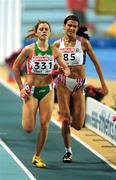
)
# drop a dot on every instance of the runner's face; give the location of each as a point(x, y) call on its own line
point(71, 28)
point(43, 31)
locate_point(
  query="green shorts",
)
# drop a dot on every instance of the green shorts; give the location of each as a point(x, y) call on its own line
point(41, 91)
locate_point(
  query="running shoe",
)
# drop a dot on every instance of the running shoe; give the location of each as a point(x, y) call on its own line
point(67, 158)
point(38, 162)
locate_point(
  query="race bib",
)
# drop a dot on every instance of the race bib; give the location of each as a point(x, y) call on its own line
point(72, 56)
point(42, 64)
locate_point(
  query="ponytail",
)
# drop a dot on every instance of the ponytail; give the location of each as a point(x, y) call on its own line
point(81, 32)
point(31, 33)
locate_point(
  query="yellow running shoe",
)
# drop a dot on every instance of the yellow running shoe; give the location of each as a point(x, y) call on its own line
point(38, 162)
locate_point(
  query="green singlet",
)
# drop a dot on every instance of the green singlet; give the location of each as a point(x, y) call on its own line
point(42, 53)
point(40, 92)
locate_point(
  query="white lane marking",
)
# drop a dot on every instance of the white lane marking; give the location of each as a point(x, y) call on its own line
point(27, 172)
point(86, 145)
point(75, 137)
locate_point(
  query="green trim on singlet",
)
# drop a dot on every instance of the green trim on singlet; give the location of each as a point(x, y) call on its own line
point(40, 92)
point(42, 53)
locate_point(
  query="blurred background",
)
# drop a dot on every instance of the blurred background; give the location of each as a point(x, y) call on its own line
point(18, 16)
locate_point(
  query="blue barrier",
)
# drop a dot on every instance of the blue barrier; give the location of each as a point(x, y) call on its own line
point(97, 42)
point(103, 42)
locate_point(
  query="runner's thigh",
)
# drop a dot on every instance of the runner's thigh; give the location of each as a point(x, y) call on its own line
point(46, 107)
point(63, 96)
point(78, 108)
point(29, 111)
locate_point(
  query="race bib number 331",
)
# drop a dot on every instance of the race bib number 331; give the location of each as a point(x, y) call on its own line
point(42, 64)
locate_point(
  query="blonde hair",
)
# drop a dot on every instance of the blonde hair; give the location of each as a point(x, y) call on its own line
point(33, 30)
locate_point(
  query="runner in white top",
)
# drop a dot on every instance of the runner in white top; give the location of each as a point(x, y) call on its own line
point(74, 45)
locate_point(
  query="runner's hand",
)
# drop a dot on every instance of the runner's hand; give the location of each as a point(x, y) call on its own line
point(23, 94)
point(65, 71)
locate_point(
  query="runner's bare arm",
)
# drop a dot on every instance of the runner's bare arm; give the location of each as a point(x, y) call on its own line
point(17, 65)
point(57, 54)
point(90, 52)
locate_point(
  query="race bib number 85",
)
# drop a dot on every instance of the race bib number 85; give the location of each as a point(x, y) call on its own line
point(71, 55)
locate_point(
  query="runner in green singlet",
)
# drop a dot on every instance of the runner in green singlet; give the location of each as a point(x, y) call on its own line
point(38, 90)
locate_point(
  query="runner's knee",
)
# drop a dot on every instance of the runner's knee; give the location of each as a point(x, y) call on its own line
point(77, 123)
point(77, 127)
point(27, 128)
point(65, 117)
point(44, 125)
point(65, 121)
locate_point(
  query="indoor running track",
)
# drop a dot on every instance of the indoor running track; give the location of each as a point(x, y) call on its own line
point(17, 148)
